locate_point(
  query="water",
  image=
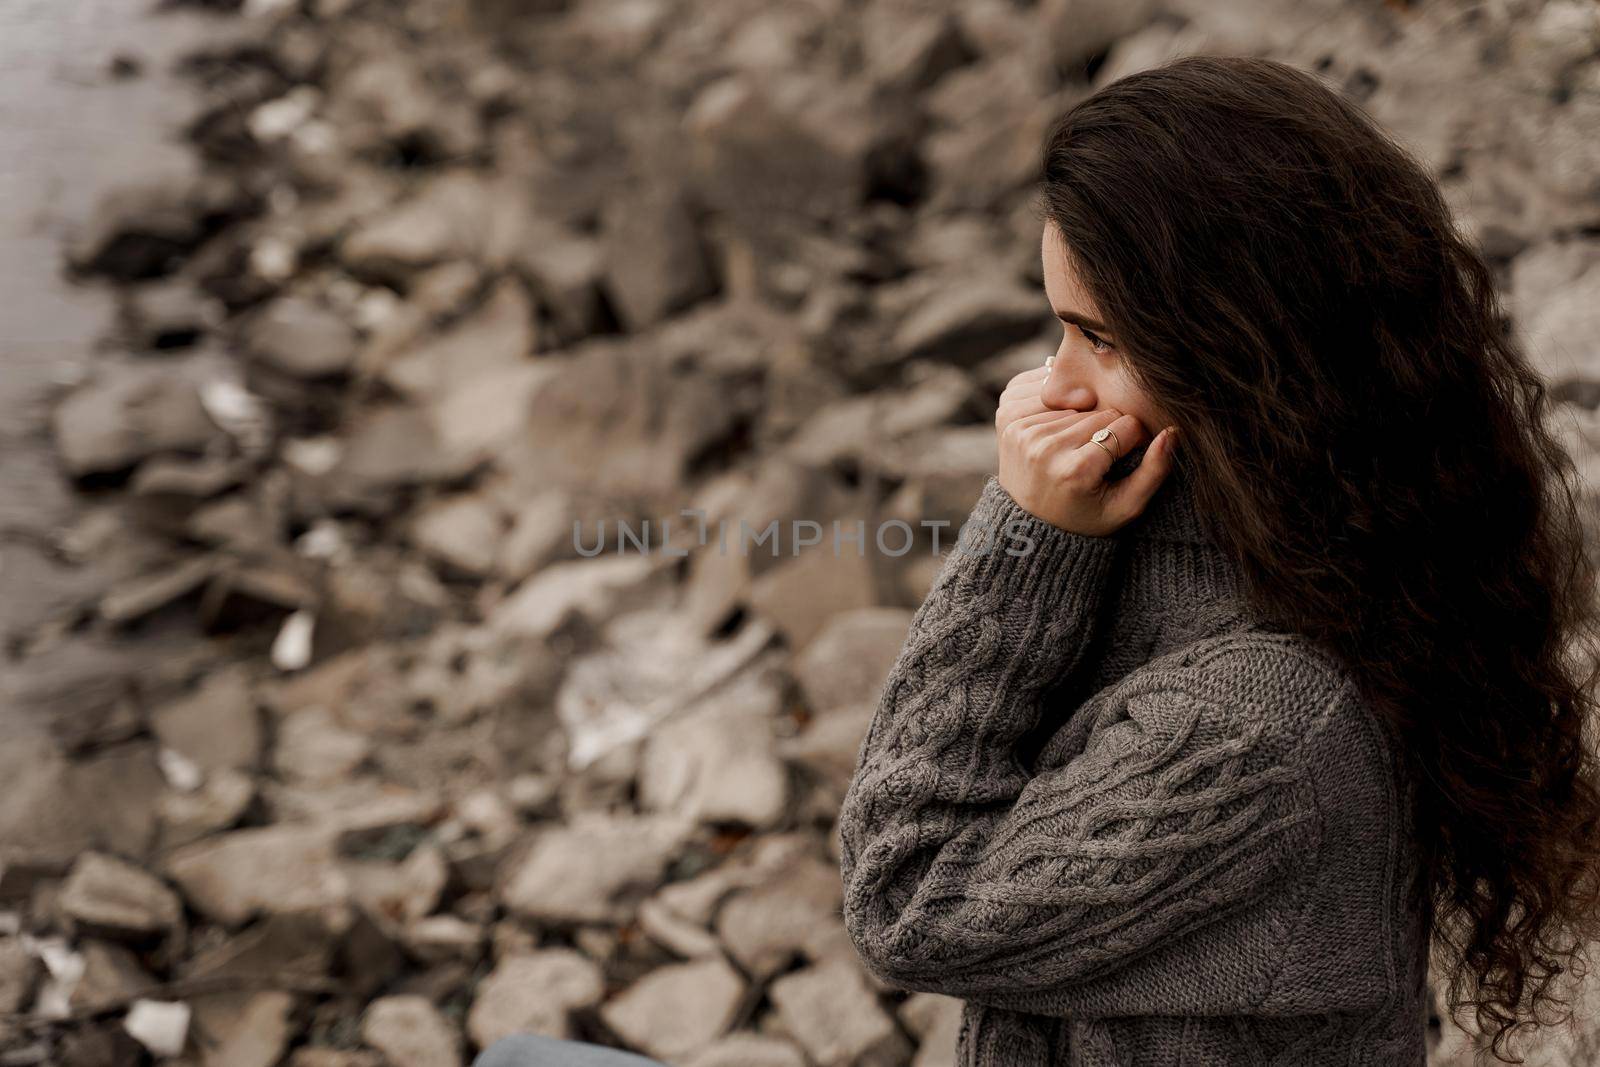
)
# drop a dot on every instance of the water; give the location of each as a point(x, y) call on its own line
point(69, 130)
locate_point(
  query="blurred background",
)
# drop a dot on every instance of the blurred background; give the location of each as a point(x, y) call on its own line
point(324, 321)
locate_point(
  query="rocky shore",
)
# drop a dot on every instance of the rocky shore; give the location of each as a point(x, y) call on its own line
point(328, 746)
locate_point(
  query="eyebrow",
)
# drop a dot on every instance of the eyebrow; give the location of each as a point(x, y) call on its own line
point(1081, 320)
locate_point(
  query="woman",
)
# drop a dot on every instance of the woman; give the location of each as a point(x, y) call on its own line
point(1226, 728)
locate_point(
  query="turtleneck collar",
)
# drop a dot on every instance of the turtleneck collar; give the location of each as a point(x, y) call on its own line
point(1172, 585)
point(1172, 514)
point(1177, 581)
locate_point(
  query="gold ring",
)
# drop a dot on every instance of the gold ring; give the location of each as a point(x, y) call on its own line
point(1100, 436)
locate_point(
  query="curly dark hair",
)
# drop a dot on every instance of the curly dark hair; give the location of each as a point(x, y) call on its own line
point(1370, 443)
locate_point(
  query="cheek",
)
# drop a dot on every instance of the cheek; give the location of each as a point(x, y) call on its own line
point(1133, 400)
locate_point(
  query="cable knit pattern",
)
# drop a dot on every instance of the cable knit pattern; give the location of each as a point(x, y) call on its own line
point(1126, 822)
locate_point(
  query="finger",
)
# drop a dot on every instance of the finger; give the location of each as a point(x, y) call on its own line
point(1016, 409)
point(1091, 421)
point(1047, 416)
point(1129, 496)
point(1114, 447)
point(1024, 405)
point(1028, 383)
point(1127, 433)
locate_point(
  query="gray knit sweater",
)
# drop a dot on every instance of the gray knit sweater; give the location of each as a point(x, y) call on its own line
point(1128, 823)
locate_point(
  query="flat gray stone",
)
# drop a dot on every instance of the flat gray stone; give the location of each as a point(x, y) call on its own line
point(302, 338)
point(795, 910)
point(715, 762)
point(410, 1032)
point(657, 263)
point(217, 725)
point(848, 662)
point(281, 868)
point(832, 1011)
point(746, 1049)
point(534, 993)
point(463, 533)
point(113, 897)
point(577, 872)
point(127, 414)
point(968, 320)
point(677, 1010)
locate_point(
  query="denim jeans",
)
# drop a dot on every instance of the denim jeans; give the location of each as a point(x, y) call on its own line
point(536, 1050)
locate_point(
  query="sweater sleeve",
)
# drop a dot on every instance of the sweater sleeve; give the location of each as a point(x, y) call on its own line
point(1010, 612)
point(966, 875)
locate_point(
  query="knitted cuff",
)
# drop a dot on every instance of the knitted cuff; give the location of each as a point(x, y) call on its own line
point(1004, 547)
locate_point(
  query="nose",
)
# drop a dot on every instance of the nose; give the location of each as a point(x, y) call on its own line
point(1061, 393)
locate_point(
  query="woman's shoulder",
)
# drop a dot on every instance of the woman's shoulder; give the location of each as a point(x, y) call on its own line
point(1277, 653)
point(1280, 683)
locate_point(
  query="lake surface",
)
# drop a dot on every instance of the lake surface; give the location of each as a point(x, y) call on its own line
point(69, 130)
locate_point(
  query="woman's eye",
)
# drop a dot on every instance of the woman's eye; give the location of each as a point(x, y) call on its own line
point(1098, 343)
